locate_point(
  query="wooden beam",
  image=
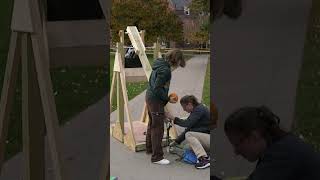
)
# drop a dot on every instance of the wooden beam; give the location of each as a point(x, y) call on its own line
point(144, 115)
point(142, 34)
point(120, 112)
point(112, 87)
point(8, 90)
point(48, 104)
point(21, 17)
point(135, 75)
point(32, 117)
point(126, 101)
point(121, 35)
point(139, 48)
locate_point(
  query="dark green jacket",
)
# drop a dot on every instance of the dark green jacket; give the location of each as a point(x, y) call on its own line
point(159, 81)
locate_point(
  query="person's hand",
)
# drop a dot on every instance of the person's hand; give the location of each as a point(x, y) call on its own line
point(173, 98)
point(167, 120)
point(169, 116)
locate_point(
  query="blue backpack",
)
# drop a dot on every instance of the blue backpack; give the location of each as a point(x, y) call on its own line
point(189, 157)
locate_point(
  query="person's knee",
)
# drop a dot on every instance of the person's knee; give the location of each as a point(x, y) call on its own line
point(189, 135)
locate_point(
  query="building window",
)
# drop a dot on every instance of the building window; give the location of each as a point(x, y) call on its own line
point(186, 10)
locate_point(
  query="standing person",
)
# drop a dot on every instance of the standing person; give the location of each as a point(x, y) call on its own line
point(255, 134)
point(156, 99)
point(196, 128)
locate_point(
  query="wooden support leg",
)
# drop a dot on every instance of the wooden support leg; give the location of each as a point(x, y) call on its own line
point(48, 104)
point(118, 131)
point(144, 116)
point(8, 91)
point(32, 116)
point(112, 90)
point(120, 104)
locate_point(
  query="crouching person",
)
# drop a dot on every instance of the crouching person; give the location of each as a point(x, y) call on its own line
point(196, 129)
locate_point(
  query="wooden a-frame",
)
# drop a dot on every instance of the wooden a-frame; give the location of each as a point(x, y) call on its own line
point(127, 132)
point(28, 47)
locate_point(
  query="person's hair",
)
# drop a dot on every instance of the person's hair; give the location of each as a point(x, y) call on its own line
point(175, 58)
point(230, 8)
point(189, 99)
point(247, 119)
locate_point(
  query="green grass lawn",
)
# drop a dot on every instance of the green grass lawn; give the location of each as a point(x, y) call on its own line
point(308, 91)
point(74, 88)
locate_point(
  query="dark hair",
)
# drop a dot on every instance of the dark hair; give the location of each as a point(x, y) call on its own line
point(189, 99)
point(230, 8)
point(175, 58)
point(247, 119)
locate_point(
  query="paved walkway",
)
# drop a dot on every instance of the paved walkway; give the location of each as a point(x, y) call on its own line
point(256, 61)
point(128, 165)
point(84, 137)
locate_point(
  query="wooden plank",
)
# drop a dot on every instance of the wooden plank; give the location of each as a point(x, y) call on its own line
point(21, 17)
point(144, 113)
point(121, 35)
point(134, 72)
point(135, 75)
point(32, 117)
point(48, 104)
point(155, 52)
point(136, 78)
point(117, 132)
point(112, 89)
point(158, 49)
point(116, 67)
point(135, 38)
point(145, 64)
point(35, 16)
point(120, 112)
point(125, 98)
point(8, 91)
point(121, 52)
point(139, 48)
point(45, 40)
point(130, 141)
point(142, 34)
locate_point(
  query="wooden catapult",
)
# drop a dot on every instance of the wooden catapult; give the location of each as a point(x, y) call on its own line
point(131, 133)
point(29, 47)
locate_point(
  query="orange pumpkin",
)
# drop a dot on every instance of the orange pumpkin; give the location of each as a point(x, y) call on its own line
point(174, 96)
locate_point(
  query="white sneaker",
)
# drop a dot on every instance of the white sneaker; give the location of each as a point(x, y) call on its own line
point(162, 162)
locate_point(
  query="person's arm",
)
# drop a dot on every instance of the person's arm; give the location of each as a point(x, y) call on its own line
point(191, 120)
point(162, 77)
point(181, 137)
